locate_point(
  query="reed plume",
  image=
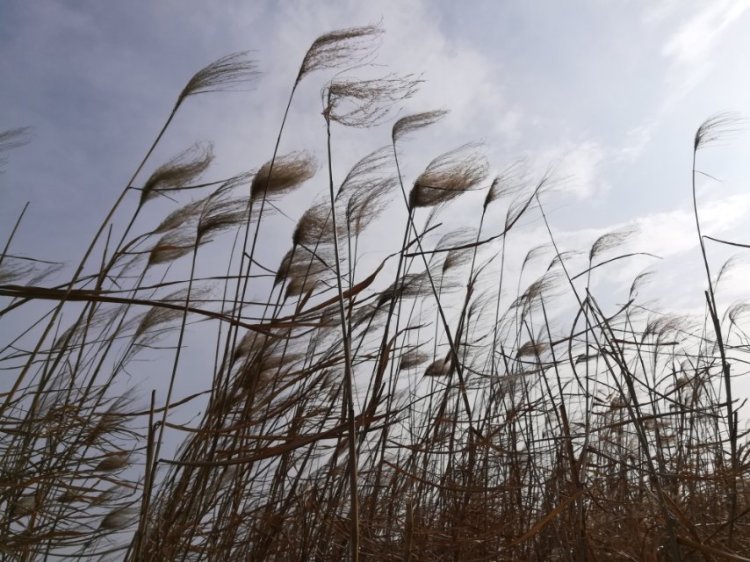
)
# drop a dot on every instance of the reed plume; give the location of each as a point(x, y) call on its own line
point(178, 172)
point(448, 176)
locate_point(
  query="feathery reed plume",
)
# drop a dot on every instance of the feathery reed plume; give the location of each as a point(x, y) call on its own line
point(532, 349)
point(410, 285)
point(172, 246)
point(371, 173)
point(641, 279)
point(179, 171)
point(534, 254)
point(737, 310)
point(303, 268)
point(110, 422)
point(364, 192)
point(180, 216)
point(284, 267)
point(507, 183)
point(717, 127)
point(220, 214)
point(545, 286)
point(521, 204)
point(118, 518)
point(289, 172)
point(365, 206)
point(439, 368)
point(726, 268)
point(113, 461)
point(329, 50)
point(364, 103)
point(412, 123)
point(461, 254)
point(14, 269)
point(448, 176)
point(158, 316)
point(559, 259)
point(314, 226)
point(412, 359)
point(339, 47)
point(221, 75)
point(26, 505)
point(609, 241)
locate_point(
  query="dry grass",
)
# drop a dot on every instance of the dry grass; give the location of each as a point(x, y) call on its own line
point(423, 407)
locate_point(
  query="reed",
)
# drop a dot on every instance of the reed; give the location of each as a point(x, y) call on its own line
point(436, 402)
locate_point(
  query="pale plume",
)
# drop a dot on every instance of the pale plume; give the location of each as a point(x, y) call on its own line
point(223, 74)
point(365, 103)
point(179, 171)
point(415, 122)
point(289, 172)
point(448, 176)
point(339, 47)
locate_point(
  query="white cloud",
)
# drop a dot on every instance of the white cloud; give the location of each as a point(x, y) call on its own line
point(636, 139)
point(693, 42)
point(673, 232)
point(695, 38)
point(658, 10)
point(577, 167)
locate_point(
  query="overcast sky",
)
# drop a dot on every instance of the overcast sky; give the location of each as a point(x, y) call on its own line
point(609, 93)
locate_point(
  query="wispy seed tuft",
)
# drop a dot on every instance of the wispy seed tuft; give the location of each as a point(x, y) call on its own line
point(282, 175)
point(179, 171)
point(412, 123)
point(448, 176)
point(717, 127)
point(365, 103)
point(221, 75)
point(339, 47)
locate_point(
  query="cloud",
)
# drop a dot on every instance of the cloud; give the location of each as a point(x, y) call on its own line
point(657, 11)
point(673, 232)
point(693, 41)
point(577, 167)
point(636, 139)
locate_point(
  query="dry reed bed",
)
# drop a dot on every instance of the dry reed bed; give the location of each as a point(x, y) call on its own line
point(436, 405)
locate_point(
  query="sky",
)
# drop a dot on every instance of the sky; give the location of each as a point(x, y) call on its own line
point(606, 94)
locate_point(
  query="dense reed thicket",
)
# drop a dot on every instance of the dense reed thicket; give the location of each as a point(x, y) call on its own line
point(432, 403)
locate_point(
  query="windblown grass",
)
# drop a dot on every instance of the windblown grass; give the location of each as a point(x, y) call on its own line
point(434, 405)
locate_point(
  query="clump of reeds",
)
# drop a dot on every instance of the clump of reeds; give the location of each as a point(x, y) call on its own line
point(434, 403)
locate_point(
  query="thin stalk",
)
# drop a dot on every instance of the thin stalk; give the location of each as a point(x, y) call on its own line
point(348, 377)
point(725, 366)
